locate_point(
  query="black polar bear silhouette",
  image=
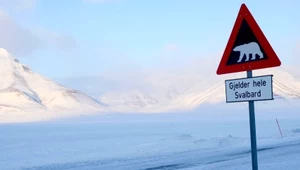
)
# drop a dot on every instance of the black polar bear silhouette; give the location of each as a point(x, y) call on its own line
point(247, 49)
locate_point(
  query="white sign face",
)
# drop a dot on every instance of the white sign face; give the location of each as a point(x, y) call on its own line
point(249, 89)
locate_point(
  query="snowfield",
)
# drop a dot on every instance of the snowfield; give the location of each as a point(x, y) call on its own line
point(150, 142)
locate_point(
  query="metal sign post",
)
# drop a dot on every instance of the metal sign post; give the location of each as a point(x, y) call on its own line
point(252, 130)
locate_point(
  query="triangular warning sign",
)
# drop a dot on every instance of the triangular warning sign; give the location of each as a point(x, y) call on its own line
point(247, 48)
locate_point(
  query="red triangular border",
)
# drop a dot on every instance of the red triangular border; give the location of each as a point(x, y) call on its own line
point(272, 61)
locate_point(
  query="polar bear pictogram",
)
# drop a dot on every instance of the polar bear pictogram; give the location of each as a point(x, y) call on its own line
point(247, 49)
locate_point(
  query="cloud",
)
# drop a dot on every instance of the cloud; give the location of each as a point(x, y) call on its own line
point(101, 1)
point(23, 41)
point(17, 40)
point(170, 54)
point(18, 4)
point(171, 48)
point(174, 58)
point(297, 53)
point(56, 40)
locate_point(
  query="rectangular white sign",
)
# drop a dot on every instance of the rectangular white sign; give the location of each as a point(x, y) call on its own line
point(249, 89)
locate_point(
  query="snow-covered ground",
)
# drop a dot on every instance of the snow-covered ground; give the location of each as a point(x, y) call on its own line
point(152, 142)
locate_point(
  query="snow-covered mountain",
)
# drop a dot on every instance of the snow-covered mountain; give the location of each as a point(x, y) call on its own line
point(22, 90)
point(129, 100)
point(211, 90)
point(167, 92)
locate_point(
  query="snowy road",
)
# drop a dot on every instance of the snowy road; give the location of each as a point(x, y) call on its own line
point(129, 144)
point(271, 157)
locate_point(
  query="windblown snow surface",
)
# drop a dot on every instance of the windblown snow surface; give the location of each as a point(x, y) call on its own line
point(201, 140)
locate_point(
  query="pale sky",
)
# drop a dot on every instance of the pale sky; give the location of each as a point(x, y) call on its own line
point(63, 38)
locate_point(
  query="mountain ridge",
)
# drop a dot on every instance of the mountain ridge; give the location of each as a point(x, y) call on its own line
point(210, 89)
point(24, 92)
